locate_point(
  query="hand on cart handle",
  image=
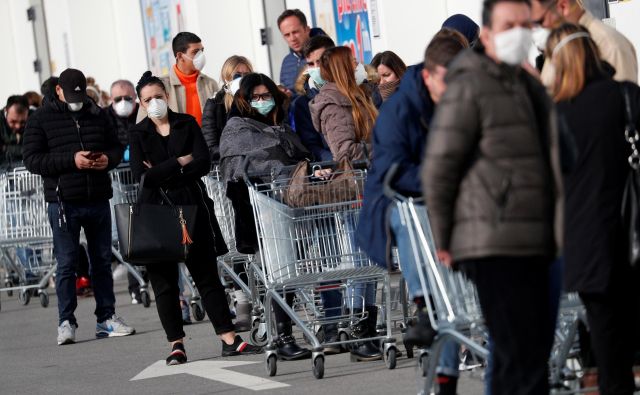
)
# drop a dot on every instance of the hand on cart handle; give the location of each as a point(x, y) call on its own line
point(445, 258)
point(323, 174)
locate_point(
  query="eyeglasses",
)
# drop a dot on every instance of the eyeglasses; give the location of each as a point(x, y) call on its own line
point(118, 99)
point(262, 96)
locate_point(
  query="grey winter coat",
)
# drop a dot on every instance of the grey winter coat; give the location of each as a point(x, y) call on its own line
point(267, 147)
point(331, 113)
point(490, 176)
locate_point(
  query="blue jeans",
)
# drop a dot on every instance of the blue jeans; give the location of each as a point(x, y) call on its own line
point(449, 362)
point(95, 219)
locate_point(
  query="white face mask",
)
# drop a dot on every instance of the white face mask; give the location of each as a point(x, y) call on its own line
point(540, 36)
point(360, 74)
point(157, 109)
point(198, 61)
point(513, 45)
point(75, 107)
point(233, 86)
point(123, 108)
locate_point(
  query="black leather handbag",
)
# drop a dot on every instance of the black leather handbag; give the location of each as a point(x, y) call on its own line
point(631, 197)
point(152, 234)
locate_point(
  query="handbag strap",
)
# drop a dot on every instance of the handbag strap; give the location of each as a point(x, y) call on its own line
point(630, 131)
point(163, 194)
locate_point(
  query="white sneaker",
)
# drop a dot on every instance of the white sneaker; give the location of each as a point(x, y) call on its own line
point(120, 272)
point(134, 298)
point(113, 327)
point(66, 333)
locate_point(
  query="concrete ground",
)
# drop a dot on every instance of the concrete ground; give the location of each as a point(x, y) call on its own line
point(32, 363)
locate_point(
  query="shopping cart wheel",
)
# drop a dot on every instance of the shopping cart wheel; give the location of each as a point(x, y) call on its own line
point(318, 367)
point(24, 296)
point(145, 298)
point(258, 335)
point(44, 299)
point(390, 358)
point(344, 338)
point(272, 365)
point(198, 313)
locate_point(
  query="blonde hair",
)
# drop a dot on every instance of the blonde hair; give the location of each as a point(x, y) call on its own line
point(337, 67)
point(576, 61)
point(226, 74)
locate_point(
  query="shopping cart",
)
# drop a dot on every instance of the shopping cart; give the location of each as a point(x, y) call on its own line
point(310, 250)
point(125, 190)
point(26, 243)
point(228, 263)
point(453, 305)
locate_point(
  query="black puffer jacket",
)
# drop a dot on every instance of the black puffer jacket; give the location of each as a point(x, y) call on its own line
point(214, 119)
point(52, 137)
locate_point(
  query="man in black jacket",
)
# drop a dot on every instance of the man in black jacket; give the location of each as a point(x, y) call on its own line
point(123, 110)
point(72, 145)
point(12, 120)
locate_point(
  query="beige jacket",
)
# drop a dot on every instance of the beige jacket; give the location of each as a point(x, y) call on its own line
point(614, 47)
point(207, 87)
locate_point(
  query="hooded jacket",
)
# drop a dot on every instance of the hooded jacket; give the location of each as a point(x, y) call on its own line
point(491, 175)
point(52, 137)
point(399, 136)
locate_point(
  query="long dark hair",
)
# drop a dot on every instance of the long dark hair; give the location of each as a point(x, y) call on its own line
point(242, 98)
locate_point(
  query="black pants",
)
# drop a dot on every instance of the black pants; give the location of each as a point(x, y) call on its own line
point(514, 297)
point(164, 280)
point(614, 326)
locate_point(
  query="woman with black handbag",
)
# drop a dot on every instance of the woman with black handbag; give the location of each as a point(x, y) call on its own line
point(168, 149)
point(597, 261)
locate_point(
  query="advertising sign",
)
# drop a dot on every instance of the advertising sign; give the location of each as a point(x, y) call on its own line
point(162, 20)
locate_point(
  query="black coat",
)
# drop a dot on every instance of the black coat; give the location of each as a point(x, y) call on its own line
point(183, 185)
point(594, 235)
point(52, 137)
point(214, 119)
point(122, 125)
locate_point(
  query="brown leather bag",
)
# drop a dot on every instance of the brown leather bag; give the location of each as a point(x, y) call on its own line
point(344, 185)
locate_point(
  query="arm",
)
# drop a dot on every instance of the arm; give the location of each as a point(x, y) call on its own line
point(210, 129)
point(201, 163)
point(113, 149)
point(37, 157)
point(310, 137)
point(451, 142)
point(157, 175)
point(337, 125)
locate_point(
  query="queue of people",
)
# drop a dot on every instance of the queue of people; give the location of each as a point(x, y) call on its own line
point(518, 167)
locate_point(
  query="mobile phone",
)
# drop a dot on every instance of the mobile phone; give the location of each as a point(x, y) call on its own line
point(94, 155)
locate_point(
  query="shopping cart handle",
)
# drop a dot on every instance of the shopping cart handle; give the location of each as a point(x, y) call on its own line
point(358, 164)
point(388, 190)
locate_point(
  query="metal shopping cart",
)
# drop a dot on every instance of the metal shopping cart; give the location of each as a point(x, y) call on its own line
point(228, 263)
point(309, 250)
point(26, 243)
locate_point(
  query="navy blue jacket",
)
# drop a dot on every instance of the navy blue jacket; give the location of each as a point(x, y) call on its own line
point(293, 63)
point(301, 123)
point(399, 136)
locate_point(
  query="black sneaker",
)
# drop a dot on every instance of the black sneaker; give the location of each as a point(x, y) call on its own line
point(239, 347)
point(178, 356)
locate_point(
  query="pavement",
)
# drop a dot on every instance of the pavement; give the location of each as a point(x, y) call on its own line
point(32, 363)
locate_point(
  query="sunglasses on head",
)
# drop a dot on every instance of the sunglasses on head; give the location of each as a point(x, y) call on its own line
point(118, 99)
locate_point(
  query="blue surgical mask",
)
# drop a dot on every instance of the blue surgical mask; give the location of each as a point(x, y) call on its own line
point(314, 74)
point(264, 107)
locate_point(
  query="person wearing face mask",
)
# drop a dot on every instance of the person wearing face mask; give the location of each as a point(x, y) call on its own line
point(13, 118)
point(72, 145)
point(310, 83)
point(188, 87)
point(390, 68)
point(491, 180)
point(597, 264)
point(256, 130)
point(214, 116)
point(123, 109)
point(169, 150)
point(614, 47)
point(399, 136)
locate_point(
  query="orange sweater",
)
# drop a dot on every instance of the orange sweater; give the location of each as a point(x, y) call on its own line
point(191, 92)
